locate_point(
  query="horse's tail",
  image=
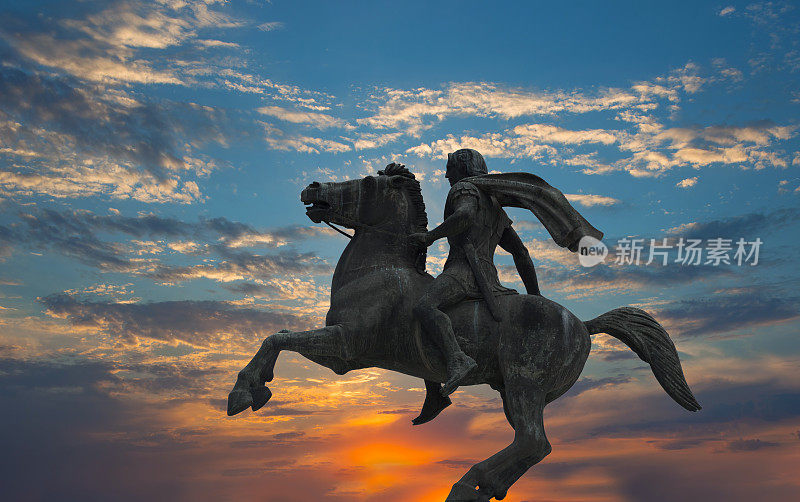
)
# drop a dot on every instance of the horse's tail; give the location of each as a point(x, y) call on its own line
point(644, 335)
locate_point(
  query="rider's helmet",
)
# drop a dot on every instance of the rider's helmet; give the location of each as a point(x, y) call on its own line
point(466, 162)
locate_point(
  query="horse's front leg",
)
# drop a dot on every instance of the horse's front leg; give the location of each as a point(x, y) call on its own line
point(250, 391)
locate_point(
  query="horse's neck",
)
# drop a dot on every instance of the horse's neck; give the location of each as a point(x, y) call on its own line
point(370, 250)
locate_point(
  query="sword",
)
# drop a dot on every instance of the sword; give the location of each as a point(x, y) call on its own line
point(480, 279)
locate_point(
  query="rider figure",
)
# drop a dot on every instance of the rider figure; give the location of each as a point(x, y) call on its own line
point(474, 224)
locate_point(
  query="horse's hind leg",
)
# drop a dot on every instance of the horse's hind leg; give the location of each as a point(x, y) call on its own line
point(524, 405)
point(250, 391)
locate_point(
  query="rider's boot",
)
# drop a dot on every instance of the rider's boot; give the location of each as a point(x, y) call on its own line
point(458, 367)
point(435, 402)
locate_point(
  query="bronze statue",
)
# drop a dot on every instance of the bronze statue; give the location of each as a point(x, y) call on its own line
point(528, 348)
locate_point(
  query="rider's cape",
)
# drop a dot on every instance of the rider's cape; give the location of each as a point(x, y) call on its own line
point(548, 204)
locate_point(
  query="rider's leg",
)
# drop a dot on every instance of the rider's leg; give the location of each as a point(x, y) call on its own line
point(442, 293)
point(434, 403)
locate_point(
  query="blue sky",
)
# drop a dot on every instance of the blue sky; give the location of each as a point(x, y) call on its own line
point(151, 234)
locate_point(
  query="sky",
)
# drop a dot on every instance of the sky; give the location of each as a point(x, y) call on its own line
point(151, 236)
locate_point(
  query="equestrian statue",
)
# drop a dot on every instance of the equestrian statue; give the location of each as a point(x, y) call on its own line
point(463, 327)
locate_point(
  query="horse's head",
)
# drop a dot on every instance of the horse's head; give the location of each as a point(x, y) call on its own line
point(391, 201)
point(388, 206)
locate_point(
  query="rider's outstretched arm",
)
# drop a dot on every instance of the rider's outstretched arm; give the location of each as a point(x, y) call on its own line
point(511, 242)
point(464, 212)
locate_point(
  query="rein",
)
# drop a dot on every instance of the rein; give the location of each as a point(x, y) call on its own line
point(358, 224)
point(337, 229)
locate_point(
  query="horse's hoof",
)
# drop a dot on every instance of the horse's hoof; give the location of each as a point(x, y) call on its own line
point(260, 397)
point(462, 492)
point(239, 400)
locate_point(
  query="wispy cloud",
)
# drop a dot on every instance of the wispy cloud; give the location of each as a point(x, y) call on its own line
point(318, 120)
point(201, 323)
point(68, 140)
point(280, 140)
point(732, 312)
point(745, 225)
point(642, 143)
point(589, 200)
point(271, 26)
point(75, 234)
point(103, 45)
point(239, 266)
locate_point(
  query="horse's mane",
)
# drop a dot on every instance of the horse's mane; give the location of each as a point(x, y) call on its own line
point(415, 196)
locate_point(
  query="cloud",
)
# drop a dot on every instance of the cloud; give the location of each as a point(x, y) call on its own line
point(75, 234)
point(104, 45)
point(490, 145)
point(412, 108)
point(687, 183)
point(367, 140)
point(86, 141)
point(238, 266)
point(147, 417)
point(586, 384)
point(726, 71)
point(647, 150)
point(69, 56)
point(722, 313)
point(750, 225)
point(416, 110)
point(247, 288)
point(224, 252)
point(558, 270)
point(199, 323)
point(589, 200)
point(132, 444)
point(525, 141)
point(577, 282)
point(699, 147)
point(73, 125)
point(552, 134)
point(727, 11)
point(271, 26)
point(153, 26)
point(741, 445)
point(53, 232)
point(318, 120)
point(217, 43)
point(240, 81)
point(280, 140)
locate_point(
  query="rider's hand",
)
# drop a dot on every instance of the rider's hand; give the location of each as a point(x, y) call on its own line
point(419, 239)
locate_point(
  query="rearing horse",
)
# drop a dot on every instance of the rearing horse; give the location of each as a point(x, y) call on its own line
point(531, 358)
